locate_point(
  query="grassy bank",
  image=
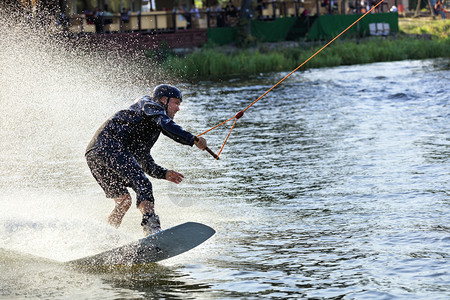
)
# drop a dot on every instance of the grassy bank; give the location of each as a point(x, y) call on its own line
point(418, 39)
point(419, 26)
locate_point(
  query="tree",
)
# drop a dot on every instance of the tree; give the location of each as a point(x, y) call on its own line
point(419, 3)
point(246, 15)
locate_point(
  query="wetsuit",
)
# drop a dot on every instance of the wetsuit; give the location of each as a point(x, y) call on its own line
point(119, 153)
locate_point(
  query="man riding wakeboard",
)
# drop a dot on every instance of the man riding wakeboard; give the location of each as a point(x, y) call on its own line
point(119, 153)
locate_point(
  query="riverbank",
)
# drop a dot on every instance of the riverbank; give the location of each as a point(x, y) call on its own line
point(419, 38)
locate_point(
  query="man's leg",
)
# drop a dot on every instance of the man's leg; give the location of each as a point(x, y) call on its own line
point(146, 207)
point(150, 221)
point(119, 170)
point(123, 203)
point(112, 183)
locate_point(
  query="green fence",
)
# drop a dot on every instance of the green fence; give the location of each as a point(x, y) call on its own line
point(272, 31)
point(264, 31)
point(314, 28)
point(222, 35)
point(327, 27)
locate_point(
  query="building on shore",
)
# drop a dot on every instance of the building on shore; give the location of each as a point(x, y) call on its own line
point(262, 9)
point(145, 24)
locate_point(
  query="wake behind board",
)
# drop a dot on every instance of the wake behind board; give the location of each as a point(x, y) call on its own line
point(154, 248)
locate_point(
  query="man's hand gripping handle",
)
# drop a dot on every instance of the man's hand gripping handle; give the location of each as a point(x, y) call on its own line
point(201, 144)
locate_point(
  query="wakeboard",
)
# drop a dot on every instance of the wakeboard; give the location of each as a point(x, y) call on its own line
point(153, 248)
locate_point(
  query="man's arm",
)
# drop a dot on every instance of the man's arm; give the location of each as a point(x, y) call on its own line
point(151, 168)
point(156, 171)
point(174, 131)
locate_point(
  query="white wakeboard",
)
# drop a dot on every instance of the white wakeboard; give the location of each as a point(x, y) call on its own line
point(154, 248)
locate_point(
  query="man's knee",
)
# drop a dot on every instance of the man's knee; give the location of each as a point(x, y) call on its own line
point(124, 202)
point(146, 199)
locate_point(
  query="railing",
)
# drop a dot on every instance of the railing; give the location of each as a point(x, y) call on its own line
point(156, 21)
point(276, 9)
point(166, 21)
point(153, 21)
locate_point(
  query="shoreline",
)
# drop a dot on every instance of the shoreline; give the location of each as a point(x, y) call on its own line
point(418, 38)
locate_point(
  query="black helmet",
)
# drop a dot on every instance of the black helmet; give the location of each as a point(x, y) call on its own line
point(165, 90)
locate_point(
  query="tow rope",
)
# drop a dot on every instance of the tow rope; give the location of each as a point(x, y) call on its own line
point(241, 113)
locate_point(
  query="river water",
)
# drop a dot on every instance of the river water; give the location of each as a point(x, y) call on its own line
point(333, 186)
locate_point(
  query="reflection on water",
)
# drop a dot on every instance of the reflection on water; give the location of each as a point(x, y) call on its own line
point(41, 278)
point(334, 185)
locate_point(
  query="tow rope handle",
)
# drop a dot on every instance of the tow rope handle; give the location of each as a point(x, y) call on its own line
point(196, 139)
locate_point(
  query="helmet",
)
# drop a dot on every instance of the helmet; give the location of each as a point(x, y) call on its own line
point(165, 90)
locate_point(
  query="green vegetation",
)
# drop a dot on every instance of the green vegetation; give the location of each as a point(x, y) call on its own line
point(415, 41)
point(437, 28)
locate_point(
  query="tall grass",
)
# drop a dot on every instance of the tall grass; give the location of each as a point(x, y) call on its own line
point(211, 63)
point(214, 63)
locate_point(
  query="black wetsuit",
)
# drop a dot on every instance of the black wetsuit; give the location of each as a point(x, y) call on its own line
point(119, 153)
